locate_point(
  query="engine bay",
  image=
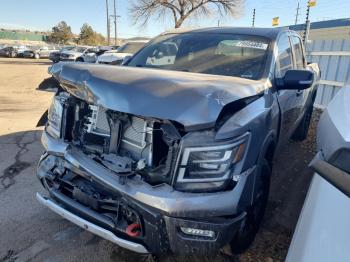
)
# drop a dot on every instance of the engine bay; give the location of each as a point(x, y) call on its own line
point(124, 143)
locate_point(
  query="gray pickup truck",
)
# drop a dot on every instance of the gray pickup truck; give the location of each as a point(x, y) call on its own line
point(172, 152)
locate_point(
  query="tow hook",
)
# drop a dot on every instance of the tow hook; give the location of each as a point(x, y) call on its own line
point(133, 230)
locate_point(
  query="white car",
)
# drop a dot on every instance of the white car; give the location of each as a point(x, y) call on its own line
point(72, 54)
point(116, 57)
point(91, 54)
point(322, 232)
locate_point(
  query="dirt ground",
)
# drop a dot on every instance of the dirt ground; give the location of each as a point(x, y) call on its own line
point(30, 232)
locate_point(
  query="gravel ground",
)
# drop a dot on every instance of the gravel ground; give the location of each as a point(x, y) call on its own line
point(30, 232)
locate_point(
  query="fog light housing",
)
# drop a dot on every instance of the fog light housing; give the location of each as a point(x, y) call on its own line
point(198, 232)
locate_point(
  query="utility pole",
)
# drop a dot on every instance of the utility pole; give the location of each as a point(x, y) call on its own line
point(253, 22)
point(307, 24)
point(297, 14)
point(108, 27)
point(115, 23)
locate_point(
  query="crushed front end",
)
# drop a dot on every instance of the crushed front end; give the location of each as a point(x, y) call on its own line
point(143, 183)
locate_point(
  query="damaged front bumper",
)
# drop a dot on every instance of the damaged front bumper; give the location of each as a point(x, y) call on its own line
point(168, 217)
point(93, 228)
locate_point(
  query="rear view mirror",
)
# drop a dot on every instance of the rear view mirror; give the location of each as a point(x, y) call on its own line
point(297, 79)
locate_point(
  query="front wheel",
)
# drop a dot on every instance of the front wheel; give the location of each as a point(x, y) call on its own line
point(255, 213)
point(79, 59)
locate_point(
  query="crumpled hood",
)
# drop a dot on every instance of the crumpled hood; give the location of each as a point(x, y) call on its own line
point(192, 99)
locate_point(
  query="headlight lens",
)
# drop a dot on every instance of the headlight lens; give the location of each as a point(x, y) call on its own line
point(55, 118)
point(211, 163)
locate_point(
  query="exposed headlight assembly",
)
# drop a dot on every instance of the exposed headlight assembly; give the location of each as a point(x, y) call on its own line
point(54, 123)
point(209, 166)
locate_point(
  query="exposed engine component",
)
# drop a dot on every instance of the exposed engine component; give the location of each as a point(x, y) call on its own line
point(132, 134)
point(123, 143)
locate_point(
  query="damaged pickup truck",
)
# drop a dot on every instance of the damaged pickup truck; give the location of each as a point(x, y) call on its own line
point(172, 152)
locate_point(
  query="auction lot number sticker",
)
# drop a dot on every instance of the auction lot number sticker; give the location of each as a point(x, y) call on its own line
point(251, 44)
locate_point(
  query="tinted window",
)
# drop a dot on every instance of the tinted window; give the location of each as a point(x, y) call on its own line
point(284, 60)
point(217, 54)
point(299, 61)
point(131, 47)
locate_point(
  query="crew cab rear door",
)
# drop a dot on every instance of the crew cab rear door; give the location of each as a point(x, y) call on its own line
point(289, 100)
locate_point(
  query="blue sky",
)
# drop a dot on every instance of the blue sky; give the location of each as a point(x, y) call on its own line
point(43, 14)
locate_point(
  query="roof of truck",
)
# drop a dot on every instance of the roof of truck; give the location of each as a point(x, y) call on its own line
point(266, 32)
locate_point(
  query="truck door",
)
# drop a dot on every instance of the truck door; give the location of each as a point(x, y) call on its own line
point(299, 63)
point(287, 99)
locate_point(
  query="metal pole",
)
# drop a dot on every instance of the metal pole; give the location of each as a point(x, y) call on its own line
point(115, 23)
point(253, 23)
point(307, 24)
point(297, 14)
point(108, 29)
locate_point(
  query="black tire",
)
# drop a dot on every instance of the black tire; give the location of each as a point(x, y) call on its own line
point(79, 59)
point(255, 213)
point(302, 130)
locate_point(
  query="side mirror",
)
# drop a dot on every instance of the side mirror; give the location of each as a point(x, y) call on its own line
point(297, 80)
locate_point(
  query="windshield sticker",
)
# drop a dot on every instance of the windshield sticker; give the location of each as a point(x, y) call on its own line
point(251, 44)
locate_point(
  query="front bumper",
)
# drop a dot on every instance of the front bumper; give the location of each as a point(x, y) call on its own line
point(95, 229)
point(163, 210)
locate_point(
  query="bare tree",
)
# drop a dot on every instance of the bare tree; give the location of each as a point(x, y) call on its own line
point(142, 10)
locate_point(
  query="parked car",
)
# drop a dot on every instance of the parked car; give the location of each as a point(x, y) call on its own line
point(116, 57)
point(322, 231)
point(9, 51)
point(55, 55)
point(39, 52)
point(72, 54)
point(20, 50)
point(176, 156)
point(91, 54)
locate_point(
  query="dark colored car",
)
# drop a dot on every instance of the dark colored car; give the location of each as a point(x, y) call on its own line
point(172, 152)
point(55, 55)
point(9, 52)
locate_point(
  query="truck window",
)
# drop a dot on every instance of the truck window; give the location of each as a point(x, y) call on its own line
point(163, 54)
point(216, 54)
point(298, 52)
point(284, 60)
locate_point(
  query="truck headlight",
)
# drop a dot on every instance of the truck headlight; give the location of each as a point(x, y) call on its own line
point(210, 163)
point(54, 117)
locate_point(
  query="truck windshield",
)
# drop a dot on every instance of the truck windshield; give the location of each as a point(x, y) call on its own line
point(130, 48)
point(211, 53)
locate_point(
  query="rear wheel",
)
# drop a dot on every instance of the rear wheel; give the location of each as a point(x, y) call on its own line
point(255, 213)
